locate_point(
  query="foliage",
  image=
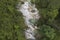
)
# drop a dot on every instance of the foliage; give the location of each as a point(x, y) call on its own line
point(11, 21)
point(48, 10)
point(48, 31)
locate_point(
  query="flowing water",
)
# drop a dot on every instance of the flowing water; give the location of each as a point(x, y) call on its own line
point(30, 15)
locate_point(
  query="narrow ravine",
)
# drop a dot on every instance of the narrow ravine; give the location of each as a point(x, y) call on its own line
point(30, 15)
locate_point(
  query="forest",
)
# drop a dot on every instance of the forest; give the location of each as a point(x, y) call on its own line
point(12, 23)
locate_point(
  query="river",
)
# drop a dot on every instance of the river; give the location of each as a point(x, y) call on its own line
point(31, 16)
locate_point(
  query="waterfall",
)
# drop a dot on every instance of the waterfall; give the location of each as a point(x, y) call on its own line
point(30, 15)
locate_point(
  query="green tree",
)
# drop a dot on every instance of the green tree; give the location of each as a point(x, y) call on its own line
point(47, 31)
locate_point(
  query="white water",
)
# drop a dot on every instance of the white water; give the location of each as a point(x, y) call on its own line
point(31, 15)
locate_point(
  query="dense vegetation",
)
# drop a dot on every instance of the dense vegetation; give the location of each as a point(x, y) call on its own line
point(49, 21)
point(12, 23)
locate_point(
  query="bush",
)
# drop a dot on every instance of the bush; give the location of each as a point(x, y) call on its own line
point(47, 31)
